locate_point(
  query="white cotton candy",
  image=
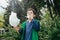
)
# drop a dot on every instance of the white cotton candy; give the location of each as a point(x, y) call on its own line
point(13, 20)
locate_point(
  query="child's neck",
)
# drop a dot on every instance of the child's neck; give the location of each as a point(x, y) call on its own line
point(30, 20)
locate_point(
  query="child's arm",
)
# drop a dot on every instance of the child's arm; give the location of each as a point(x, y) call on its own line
point(20, 30)
point(36, 26)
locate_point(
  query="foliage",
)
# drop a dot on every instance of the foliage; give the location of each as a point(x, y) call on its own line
point(10, 34)
point(50, 28)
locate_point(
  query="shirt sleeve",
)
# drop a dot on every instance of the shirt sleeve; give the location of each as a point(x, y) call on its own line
point(21, 30)
point(22, 27)
point(36, 26)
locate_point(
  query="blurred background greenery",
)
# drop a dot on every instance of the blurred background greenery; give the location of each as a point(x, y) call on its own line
point(48, 12)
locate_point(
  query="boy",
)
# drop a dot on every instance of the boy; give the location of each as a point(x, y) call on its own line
point(30, 28)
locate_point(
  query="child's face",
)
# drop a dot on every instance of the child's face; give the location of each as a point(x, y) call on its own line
point(30, 14)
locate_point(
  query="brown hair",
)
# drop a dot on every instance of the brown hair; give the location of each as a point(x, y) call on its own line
point(35, 13)
point(29, 9)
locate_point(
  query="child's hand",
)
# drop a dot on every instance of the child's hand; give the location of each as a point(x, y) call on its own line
point(16, 28)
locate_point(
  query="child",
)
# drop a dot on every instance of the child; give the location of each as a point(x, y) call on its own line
point(30, 27)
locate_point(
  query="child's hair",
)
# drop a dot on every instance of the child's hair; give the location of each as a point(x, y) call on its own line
point(29, 9)
point(35, 13)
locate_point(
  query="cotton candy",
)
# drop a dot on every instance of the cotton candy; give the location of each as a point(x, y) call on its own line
point(13, 20)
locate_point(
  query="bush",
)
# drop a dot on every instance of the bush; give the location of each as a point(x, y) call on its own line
point(10, 35)
point(49, 28)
